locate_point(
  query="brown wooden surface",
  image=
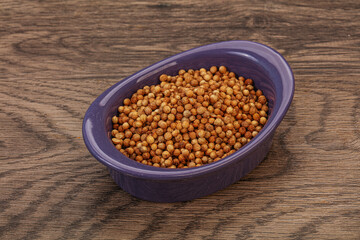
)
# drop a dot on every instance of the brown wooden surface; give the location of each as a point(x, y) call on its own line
point(57, 56)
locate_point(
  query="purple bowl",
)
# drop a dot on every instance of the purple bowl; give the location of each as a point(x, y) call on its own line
point(270, 72)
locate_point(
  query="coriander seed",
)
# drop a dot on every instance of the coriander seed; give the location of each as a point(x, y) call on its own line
point(194, 118)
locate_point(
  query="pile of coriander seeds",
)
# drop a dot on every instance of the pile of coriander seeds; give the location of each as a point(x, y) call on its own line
point(191, 119)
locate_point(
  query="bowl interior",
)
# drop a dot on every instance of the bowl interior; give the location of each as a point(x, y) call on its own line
point(266, 67)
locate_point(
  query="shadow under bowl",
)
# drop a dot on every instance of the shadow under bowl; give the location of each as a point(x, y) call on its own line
point(270, 73)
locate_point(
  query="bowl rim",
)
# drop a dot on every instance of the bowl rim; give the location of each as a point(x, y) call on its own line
point(153, 173)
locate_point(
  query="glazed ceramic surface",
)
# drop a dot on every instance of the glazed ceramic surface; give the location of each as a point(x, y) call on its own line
point(265, 66)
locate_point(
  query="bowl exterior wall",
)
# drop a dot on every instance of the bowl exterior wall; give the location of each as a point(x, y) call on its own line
point(193, 187)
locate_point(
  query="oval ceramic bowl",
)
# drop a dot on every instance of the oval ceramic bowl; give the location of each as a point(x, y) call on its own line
point(265, 66)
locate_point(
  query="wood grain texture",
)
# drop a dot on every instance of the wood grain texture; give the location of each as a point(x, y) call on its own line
point(57, 56)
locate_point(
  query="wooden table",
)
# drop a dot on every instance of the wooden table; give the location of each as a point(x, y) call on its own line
point(56, 57)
